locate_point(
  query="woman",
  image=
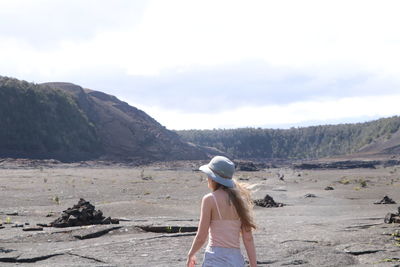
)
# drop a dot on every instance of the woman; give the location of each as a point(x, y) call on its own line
point(225, 214)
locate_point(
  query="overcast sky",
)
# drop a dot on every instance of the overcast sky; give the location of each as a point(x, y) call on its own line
point(215, 63)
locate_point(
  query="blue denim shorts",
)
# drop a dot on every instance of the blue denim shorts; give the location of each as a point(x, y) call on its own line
point(223, 257)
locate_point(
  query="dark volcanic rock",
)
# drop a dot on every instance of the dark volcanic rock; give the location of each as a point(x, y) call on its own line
point(268, 202)
point(82, 213)
point(329, 188)
point(385, 200)
point(349, 164)
point(392, 217)
point(247, 166)
point(310, 196)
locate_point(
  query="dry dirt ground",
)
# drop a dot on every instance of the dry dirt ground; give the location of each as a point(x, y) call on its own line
point(341, 227)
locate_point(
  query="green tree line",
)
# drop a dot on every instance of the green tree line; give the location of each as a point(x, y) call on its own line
point(294, 143)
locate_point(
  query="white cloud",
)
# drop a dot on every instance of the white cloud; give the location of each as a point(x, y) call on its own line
point(301, 34)
point(323, 36)
point(324, 111)
point(327, 42)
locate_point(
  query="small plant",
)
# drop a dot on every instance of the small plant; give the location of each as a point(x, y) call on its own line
point(56, 199)
point(8, 220)
point(363, 183)
point(391, 260)
point(169, 229)
point(396, 233)
point(344, 181)
point(145, 177)
point(396, 236)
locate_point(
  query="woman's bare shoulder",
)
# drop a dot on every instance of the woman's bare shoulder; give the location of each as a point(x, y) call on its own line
point(207, 196)
point(208, 199)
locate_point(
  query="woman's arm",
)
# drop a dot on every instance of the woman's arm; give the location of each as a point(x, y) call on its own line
point(202, 231)
point(248, 242)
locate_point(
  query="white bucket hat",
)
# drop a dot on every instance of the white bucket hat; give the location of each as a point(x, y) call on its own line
point(221, 170)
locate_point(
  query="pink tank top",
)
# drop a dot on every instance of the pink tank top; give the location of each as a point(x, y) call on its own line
point(224, 233)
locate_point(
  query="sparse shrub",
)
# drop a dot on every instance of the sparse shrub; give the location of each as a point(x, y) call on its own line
point(363, 183)
point(344, 181)
point(391, 260)
point(56, 199)
point(396, 233)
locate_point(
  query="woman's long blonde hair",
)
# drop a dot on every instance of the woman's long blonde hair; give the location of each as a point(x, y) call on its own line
point(240, 196)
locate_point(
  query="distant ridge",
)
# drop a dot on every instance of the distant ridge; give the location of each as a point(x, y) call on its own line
point(66, 122)
point(379, 137)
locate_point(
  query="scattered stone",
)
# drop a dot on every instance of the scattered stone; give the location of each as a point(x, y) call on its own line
point(80, 214)
point(392, 217)
point(280, 176)
point(295, 262)
point(5, 250)
point(247, 166)
point(268, 202)
point(329, 188)
point(2, 227)
point(17, 225)
point(14, 213)
point(385, 200)
point(30, 229)
point(348, 164)
point(310, 196)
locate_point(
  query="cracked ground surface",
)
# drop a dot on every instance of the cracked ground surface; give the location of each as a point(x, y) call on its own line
point(340, 227)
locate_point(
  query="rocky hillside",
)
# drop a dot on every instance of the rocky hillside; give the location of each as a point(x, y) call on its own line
point(39, 122)
point(69, 123)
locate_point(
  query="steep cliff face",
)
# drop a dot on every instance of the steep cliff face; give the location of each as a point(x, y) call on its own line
point(65, 122)
point(127, 132)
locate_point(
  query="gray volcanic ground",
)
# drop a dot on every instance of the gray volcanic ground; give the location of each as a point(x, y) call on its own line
point(339, 227)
